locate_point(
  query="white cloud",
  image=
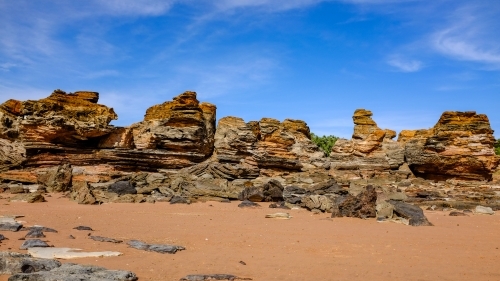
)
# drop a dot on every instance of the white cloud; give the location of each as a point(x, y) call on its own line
point(135, 7)
point(405, 65)
point(471, 35)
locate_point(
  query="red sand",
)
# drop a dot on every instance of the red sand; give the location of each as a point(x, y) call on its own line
point(218, 236)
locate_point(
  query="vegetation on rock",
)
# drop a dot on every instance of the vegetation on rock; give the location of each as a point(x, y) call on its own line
point(325, 143)
point(497, 147)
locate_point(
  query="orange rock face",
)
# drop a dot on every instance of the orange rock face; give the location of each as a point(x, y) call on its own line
point(371, 151)
point(460, 146)
point(268, 143)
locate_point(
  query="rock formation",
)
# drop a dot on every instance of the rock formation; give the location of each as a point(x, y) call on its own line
point(370, 153)
point(459, 146)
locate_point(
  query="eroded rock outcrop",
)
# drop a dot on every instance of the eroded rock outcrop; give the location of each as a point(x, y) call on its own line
point(370, 153)
point(267, 144)
point(459, 146)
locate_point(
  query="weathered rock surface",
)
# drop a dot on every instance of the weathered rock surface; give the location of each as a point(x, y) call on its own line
point(105, 239)
point(361, 206)
point(459, 146)
point(56, 179)
point(12, 154)
point(159, 248)
point(267, 144)
point(75, 272)
point(12, 263)
point(32, 243)
point(370, 153)
point(413, 214)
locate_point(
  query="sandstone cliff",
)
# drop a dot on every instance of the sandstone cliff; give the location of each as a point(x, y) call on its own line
point(459, 146)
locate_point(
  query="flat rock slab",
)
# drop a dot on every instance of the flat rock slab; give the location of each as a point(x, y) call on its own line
point(159, 248)
point(75, 272)
point(35, 233)
point(68, 253)
point(39, 227)
point(82, 227)
point(248, 204)
point(105, 239)
point(10, 226)
point(204, 277)
point(283, 216)
point(33, 243)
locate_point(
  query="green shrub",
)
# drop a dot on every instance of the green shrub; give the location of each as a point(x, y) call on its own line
point(497, 147)
point(325, 143)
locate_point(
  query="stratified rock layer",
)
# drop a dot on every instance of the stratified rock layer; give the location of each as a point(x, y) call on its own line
point(459, 146)
point(370, 153)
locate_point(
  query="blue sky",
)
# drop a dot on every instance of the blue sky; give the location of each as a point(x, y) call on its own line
point(315, 60)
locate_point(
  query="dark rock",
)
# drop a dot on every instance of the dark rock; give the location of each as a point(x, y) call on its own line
point(75, 272)
point(105, 239)
point(41, 228)
point(122, 188)
point(82, 227)
point(458, 214)
point(10, 226)
point(71, 237)
point(414, 214)
point(32, 243)
point(252, 193)
point(272, 191)
point(2, 237)
point(361, 206)
point(248, 204)
point(203, 277)
point(12, 263)
point(293, 194)
point(179, 200)
point(35, 233)
point(159, 248)
point(279, 205)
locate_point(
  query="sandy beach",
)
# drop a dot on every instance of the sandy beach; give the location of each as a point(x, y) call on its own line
point(222, 238)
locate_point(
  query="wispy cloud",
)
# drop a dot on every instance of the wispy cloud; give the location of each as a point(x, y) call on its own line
point(471, 35)
point(405, 65)
point(134, 7)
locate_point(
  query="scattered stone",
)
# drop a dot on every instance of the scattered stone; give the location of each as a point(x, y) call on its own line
point(159, 248)
point(179, 200)
point(414, 214)
point(484, 210)
point(243, 263)
point(252, 193)
point(203, 277)
point(248, 204)
point(283, 216)
point(68, 253)
point(2, 237)
point(74, 272)
point(28, 198)
point(105, 239)
point(279, 205)
point(457, 214)
point(82, 227)
point(12, 263)
point(10, 226)
point(35, 233)
point(468, 212)
point(41, 228)
point(32, 243)
point(71, 237)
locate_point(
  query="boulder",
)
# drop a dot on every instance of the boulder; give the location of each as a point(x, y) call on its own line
point(414, 214)
point(56, 179)
point(459, 146)
point(12, 263)
point(361, 206)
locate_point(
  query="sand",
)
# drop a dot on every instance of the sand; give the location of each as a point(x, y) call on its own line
point(220, 237)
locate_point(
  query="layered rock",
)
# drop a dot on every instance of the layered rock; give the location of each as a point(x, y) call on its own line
point(459, 146)
point(267, 144)
point(370, 153)
point(175, 134)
